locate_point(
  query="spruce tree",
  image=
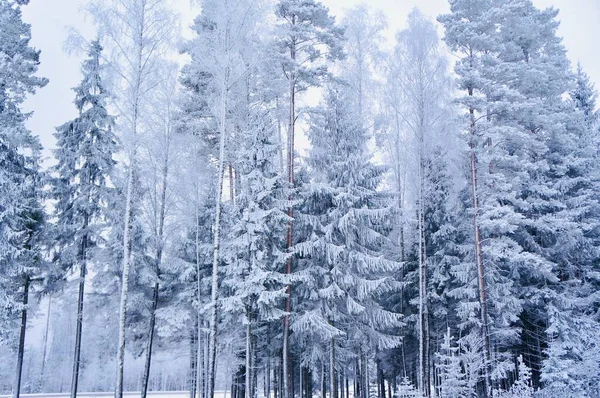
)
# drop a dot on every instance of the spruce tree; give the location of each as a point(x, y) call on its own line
point(85, 149)
point(306, 35)
point(22, 215)
point(256, 252)
point(343, 249)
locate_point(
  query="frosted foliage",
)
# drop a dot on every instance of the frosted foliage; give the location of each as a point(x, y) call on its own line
point(435, 231)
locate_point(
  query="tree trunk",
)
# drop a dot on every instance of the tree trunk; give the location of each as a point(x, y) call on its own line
point(124, 282)
point(146, 376)
point(45, 343)
point(366, 374)
point(212, 355)
point(193, 365)
point(248, 359)
point(289, 240)
point(21, 351)
point(200, 387)
point(479, 257)
point(158, 263)
point(332, 376)
point(79, 325)
point(323, 385)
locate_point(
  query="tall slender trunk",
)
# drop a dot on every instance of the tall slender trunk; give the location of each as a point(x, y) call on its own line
point(479, 256)
point(45, 342)
point(212, 355)
point(421, 376)
point(248, 359)
point(289, 240)
point(200, 387)
point(79, 325)
point(231, 184)
point(125, 282)
point(21, 351)
point(323, 386)
point(146, 375)
point(127, 244)
point(332, 376)
point(193, 364)
point(366, 374)
point(157, 265)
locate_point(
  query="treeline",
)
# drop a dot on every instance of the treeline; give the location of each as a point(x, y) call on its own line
point(422, 231)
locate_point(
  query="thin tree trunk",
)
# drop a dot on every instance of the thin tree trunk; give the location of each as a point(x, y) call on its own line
point(199, 357)
point(193, 365)
point(146, 375)
point(323, 385)
point(212, 355)
point(159, 254)
point(79, 325)
point(332, 376)
point(231, 184)
point(366, 375)
point(479, 257)
point(289, 240)
point(124, 283)
point(248, 359)
point(45, 343)
point(21, 350)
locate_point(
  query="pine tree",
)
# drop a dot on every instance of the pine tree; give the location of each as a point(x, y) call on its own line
point(527, 166)
point(306, 35)
point(86, 146)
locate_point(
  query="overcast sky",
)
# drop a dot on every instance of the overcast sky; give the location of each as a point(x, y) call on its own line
point(52, 105)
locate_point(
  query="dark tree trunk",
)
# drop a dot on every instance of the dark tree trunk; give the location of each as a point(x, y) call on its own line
point(79, 325)
point(21, 351)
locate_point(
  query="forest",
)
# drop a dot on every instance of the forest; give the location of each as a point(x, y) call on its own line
point(288, 205)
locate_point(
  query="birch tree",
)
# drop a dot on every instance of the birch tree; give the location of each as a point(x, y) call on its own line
point(158, 160)
point(136, 33)
point(421, 77)
point(219, 55)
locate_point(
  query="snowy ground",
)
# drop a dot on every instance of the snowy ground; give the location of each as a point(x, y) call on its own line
point(131, 394)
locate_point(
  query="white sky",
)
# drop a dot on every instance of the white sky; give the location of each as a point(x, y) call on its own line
point(52, 105)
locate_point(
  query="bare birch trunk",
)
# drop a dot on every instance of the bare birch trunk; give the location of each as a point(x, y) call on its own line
point(212, 355)
point(124, 283)
point(21, 351)
point(127, 244)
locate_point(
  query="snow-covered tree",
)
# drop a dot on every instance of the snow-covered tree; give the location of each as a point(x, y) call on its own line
point(421, 79)
point(363, 33)
point(452, 378)
point(21, 212)
point(527, 168)
point(220, 60)
point(257, 247)
point(306, 35)
point(136, 34)
point(343, 252)
point(85, 149)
